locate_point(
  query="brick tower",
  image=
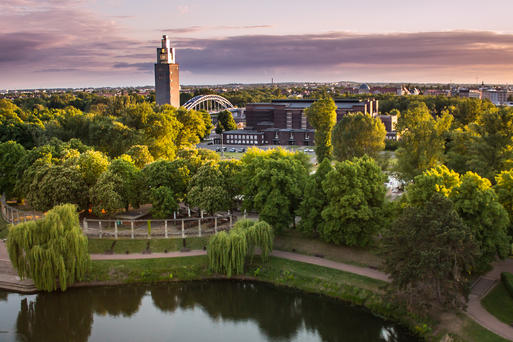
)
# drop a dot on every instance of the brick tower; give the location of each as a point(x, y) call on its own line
point(167, 84)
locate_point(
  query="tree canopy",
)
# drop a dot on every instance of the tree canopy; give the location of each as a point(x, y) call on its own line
point(273, 183)
point(314, 200)
point(356, 135)
point(422, 143)
point(355, 193)
point(429, 253)
point(322, 116)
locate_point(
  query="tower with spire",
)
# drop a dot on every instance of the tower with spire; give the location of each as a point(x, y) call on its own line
point(167, 84)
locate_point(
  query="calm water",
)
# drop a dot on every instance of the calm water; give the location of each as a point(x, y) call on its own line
point(196, 311)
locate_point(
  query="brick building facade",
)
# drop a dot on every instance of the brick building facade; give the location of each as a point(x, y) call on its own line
point(283, 122)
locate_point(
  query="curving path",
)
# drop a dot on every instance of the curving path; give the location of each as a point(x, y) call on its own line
point(477, 312)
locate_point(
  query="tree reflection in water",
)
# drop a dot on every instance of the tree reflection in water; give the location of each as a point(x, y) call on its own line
point(279, 313)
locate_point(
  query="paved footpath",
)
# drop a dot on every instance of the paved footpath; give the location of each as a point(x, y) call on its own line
point(9, 279)
point(478, 313)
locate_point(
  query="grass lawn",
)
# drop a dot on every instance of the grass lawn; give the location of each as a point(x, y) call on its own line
point(3, 228)
point(295, 241)
point(499, 303)
point(472, 332)
point(121, 246)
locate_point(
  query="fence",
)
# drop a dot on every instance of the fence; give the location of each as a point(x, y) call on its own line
point(127, 228)
point(170, 228)
point(14, 216)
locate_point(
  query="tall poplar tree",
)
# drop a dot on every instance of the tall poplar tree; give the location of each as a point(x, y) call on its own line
point(322, 116)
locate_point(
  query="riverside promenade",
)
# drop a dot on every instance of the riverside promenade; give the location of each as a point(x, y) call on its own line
point(9, 279)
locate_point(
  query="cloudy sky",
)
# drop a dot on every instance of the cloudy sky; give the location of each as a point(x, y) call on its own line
point(80, 43)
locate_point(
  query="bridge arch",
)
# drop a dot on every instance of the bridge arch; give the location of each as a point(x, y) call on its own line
point(210, 103)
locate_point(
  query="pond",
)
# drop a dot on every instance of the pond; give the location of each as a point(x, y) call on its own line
point(193, 311)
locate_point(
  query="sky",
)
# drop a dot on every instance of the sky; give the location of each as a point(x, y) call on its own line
point(95, 43)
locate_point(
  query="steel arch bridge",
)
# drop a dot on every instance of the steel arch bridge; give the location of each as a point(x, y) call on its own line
point(210, 103)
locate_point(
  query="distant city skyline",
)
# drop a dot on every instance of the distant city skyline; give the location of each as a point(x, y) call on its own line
point(81, 43)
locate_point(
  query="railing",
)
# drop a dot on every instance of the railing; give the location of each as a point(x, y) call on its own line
point(14, 216)
point(128, 228)
point(168, 228)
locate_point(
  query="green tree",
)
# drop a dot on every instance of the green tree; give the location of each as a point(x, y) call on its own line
point(231, 171)
point(219, 128)
point(477, 204)
point(91, 165)
point(10, 154)
point(314, 200)
point(491, 144)
point(111, 136)
point(438, 179)
point(51, 251)
point(163, 202)
point(104, 195)
point(429, 252)
point(322, 116)
point(273, 183)
point(356, 135)
point(458, 153)
point(422, 140)
point(160, 134)
point(129, 181)
point(504, 190)
point(227, 252)
point(26, 168)
point(355, 192)
point(194, 158)
point(207, 120)
point(193, 127)
point(226, 119)
point(140, 155)
point(208, 190)
point(171, 174)
point(56, 184)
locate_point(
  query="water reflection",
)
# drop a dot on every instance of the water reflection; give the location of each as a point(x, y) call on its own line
point(279, 314)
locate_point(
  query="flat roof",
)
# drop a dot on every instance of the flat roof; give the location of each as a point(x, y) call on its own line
point(313, 100)
point(242, 131)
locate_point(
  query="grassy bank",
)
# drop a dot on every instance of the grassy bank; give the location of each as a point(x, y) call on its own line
point(129, 246)
point(467, 329)
point(499, 303)
point(294, 241)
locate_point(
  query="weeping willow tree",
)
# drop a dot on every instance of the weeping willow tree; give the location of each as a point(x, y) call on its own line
point(51, 251)
point(227, 251)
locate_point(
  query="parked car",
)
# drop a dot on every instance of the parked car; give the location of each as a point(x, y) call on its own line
point(218, 149)
point(232, 149)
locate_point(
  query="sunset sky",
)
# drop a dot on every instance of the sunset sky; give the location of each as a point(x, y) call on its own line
point(81, 43)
